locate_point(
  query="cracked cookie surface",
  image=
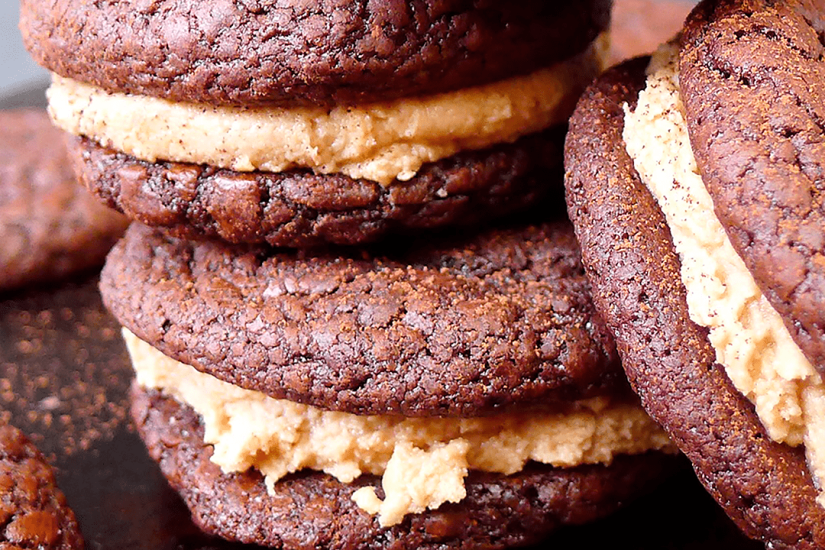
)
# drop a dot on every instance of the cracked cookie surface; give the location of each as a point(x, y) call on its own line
point(33, 511)
point(303, 53)
point(302, 209)
point(752, 77)
point(629, 255)
point(455, 326)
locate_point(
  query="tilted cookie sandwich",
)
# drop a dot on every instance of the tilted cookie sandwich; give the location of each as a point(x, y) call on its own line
point(297, 124)
point(50, 227)
point(33, 510)
point(695, 183)
point(453, 393)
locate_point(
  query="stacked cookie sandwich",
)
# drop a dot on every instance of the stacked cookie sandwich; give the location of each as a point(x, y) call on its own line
point(433, 390)
point(695, 181)
point(320, 122)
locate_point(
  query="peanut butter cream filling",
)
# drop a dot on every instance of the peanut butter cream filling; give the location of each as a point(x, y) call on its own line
point(749, 337)
point(380, 142)
point(422, 461)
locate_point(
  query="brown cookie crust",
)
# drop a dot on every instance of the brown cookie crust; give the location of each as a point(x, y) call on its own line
point(50, 226)
point(461, 327)
point(33, 511)
point(628, 252)
point(281, 52)
point(753, 84)
point(314, 510)
point(302, 209)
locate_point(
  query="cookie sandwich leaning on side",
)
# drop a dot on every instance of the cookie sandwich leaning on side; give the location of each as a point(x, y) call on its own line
point(694, 181)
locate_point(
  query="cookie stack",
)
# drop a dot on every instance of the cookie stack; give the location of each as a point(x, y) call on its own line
point(695, 181)
point(423, 390)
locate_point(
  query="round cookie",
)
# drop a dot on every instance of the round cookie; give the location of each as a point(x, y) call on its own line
point(313, 509)
point(50, 226)
point(627, 248)
point(763, 164)
point(33, 511)
point(318, 53)
point(302, 209)
point(454, 327)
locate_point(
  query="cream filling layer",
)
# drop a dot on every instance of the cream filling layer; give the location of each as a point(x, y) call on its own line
point(379, 142)
point(751, 340)
point(422, 461)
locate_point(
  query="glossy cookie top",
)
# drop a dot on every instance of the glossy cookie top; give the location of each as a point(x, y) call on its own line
point(299, 209)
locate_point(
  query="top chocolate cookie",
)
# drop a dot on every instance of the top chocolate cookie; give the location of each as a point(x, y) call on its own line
point(751, 77)
point(244, 52)
point(440, 327)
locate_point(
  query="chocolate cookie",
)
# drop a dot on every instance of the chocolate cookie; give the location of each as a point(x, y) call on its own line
point(33, 511)
point(50, 226)
point(457, 327)
point(317, 53)
point(763, 164)
point(312, 509)
point(630, 258)
point(301, 209)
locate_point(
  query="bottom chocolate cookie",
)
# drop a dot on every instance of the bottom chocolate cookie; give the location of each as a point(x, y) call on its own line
point(313, 509)
point(302, 209)
point(33, 511)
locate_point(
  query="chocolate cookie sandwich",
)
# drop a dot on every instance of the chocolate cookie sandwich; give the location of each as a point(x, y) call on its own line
point(33, 510)
point(50, 227)
point(451, 393)
point(695, 184)
point(299, 124)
